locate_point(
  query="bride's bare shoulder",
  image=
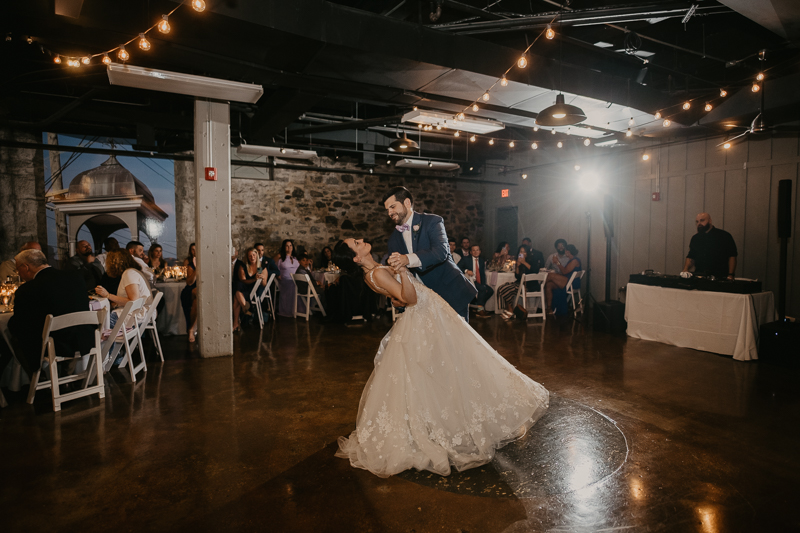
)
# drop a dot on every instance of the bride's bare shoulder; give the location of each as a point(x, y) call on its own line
point(383, 273)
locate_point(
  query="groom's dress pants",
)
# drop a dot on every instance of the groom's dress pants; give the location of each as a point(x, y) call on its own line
point(484, 293)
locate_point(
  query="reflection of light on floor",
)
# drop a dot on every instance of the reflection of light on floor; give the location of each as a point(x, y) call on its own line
point(580, 463)
point(637, 488)
point(708, 519)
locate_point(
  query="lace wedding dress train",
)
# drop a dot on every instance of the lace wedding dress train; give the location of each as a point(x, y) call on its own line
point(439, 396)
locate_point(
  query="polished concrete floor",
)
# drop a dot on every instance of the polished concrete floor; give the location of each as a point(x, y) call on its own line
point(640, 437)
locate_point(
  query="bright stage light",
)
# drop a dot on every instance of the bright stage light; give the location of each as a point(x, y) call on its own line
point(588, 182)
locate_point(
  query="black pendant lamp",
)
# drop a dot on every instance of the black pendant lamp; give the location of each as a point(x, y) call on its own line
point(403, 145)
point(560, 114)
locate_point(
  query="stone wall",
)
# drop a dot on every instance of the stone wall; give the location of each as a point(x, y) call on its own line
point(317, 209)
point(22, 216)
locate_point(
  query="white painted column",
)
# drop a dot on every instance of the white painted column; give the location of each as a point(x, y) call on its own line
point(213, 227)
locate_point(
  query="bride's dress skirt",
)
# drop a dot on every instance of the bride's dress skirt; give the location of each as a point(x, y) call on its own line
point(439, 396)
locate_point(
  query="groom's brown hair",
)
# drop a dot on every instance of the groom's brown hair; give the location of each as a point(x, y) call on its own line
point(400, 194)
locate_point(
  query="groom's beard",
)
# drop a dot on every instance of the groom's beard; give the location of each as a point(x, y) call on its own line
point(401, 216)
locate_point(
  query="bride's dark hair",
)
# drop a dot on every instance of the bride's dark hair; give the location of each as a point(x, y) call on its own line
point(343, 258)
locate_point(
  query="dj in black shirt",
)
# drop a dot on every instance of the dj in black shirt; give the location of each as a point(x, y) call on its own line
point(711, 250)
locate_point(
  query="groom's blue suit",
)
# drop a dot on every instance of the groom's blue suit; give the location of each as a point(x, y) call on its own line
point(438, 271)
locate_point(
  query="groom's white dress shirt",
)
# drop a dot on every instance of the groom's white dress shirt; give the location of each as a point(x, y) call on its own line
point(413, 260)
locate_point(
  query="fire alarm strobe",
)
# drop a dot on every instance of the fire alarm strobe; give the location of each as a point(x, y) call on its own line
point(211, 174)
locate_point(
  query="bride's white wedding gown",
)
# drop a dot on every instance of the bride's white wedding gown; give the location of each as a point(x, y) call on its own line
point(439, 396)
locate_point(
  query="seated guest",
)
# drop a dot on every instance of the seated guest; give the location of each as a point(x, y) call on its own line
point(465, 248)
point(474, 266)
point(246, 274)
point(712, 251)
point(302, 286)
point(85, 263)
point(189, 292)
point(132, 284)
point(109, 245)
point(267, 263)
point(155, 260)
point(456, 255)
point(507, 293)
point(326, 257)
point(287, 264)
point(350, 296)
point(558, 257)
point(136, 250)
point(560, 279)
point(46, 291)
point(535, 258)
point(9, 267)
point(501, 255)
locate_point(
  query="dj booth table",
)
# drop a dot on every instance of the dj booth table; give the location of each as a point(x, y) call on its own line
point(718, 322)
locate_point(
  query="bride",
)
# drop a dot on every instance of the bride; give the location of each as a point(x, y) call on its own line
point(439, 394)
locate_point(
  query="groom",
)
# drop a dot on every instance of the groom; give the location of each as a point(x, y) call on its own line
point(420, 243)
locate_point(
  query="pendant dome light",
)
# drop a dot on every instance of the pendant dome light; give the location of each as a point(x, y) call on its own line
point(403, 145)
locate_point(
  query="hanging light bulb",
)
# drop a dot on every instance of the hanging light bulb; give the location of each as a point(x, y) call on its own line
point(631, 122)
point(657, 115)
point(491, 141)
point(628, 133)
point(485, 96)
point(473, 138)
point(577, 168)
point(723, 93)
point(760, 76)
point(560, 144)
point(163, 26)
point(460, 116)
point(504, 81)
point(86, 60)
point(726, 145)
point(536, 128)
point(645, 157)
point(106, 60)
point(123, 54)
point(534, 146)
point(57, 60)
point(144, 44)
point(457, 134)
point(199, 5)
point(587, 142)
point(553, 132)
point(419, 126)
point(550, 33)
point(687, 105)
point(708, 107)
point(475, 107)
point(438, 126)
point(430, 164)
point(511, 144)
point(667, 123)
point(522, 62)
point(755, 88)
point(524, 176)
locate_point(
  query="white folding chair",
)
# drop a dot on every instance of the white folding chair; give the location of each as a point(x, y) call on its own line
point(537, 298)
point(256, 300)
point(57, 323)
point(149, 323)
point(310, 294)
point(126, 334)
point(578, 308)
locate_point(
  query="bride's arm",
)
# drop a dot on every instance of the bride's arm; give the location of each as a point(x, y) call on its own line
point(403, 291)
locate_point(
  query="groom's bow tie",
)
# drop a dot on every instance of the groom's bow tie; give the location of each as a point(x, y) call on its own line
point(403, 228)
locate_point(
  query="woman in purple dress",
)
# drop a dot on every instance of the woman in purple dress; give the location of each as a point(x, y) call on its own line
point(287, 263)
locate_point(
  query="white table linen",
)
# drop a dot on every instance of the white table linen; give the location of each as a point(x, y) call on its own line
point(171, 321)
point(326, 278)
point(497, 280)
point(717, 322)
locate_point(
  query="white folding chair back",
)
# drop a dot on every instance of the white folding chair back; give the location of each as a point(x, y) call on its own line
point(93, 368)
point(149, 323)
point(577, 307)
point(532, 300)
point(309, 297)
point(126, 334)
point(256, 300)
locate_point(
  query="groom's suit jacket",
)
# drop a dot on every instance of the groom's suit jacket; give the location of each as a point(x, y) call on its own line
point(438, 271)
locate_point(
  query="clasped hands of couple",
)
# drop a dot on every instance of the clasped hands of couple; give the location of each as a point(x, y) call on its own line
point(399, 263)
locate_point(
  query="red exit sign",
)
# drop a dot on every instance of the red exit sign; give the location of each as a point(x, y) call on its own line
point(504, 193)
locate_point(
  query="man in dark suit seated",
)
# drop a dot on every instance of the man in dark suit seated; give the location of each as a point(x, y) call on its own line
point(46, 291)
point(267, 262)
point(474, 266)
point(535, 259)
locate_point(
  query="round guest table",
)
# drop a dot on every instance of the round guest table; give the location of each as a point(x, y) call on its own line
point(170, 320)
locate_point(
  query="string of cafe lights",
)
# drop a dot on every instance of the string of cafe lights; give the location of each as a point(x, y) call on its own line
point(122, 53)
